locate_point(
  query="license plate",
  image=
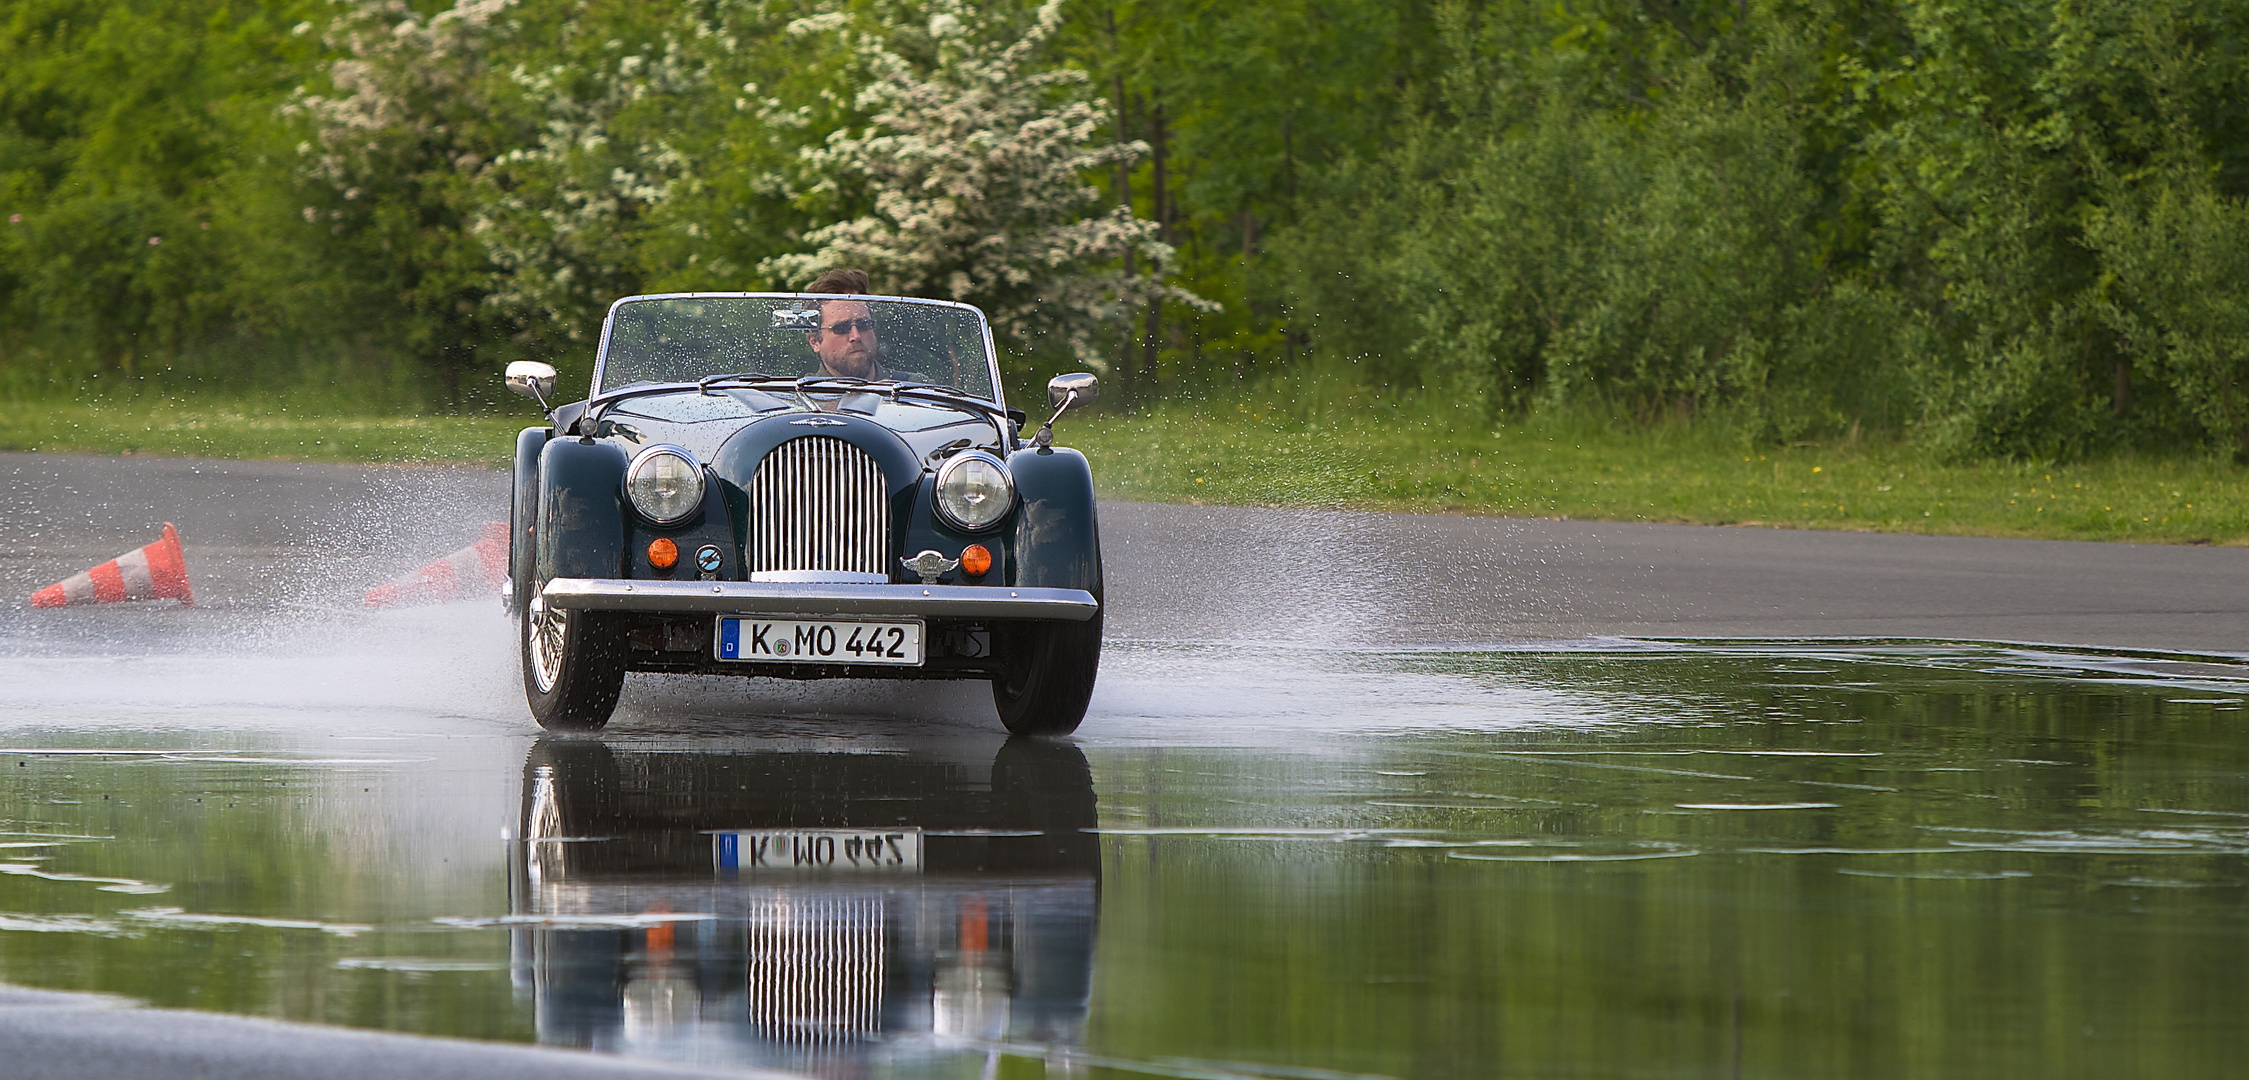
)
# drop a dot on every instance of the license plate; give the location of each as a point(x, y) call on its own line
point(828, 641)
point(886, 851)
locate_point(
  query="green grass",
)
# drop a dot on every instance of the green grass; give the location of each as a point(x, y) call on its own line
point(1401, 459)
point(1351, 454)
point(288, 429)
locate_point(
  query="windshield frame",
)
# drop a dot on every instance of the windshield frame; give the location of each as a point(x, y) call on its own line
point(609, 322)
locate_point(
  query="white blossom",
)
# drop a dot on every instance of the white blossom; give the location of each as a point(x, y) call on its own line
point(977, 171)
point(549, 211)
point(558, 157)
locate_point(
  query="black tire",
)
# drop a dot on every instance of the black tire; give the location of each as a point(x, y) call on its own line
point(573, 667)
point(1047, 671)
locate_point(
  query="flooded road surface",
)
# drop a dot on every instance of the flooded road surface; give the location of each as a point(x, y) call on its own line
point(1307, 853)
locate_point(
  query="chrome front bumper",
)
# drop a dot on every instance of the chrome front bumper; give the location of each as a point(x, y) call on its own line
point(820, 598)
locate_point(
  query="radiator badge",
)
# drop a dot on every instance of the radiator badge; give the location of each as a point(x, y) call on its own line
point(929, 564)
point(819, 421)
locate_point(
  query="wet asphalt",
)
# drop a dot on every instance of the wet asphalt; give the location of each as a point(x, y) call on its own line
point(280, 553)
point(261, 534)
point(46, 1035)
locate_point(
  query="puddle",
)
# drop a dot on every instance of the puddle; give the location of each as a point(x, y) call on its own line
point(1622, 859)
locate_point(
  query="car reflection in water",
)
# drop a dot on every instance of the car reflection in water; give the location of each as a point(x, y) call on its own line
point(825, 912)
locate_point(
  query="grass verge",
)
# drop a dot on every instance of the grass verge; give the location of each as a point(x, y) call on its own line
point(250, 429)
point(1396, 459)
point(1353, 454)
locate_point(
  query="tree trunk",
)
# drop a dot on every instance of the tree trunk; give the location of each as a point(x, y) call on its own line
point(1288, 166)
point(1160, 209)
point(1125, 358)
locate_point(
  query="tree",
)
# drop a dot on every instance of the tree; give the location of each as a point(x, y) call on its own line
point(140, 229)
point(975, 164)
point(400, 133)
point(509, 169)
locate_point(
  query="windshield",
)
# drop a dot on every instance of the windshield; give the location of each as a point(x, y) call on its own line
point(686, 338)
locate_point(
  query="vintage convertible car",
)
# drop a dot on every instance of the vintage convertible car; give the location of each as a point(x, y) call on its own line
point(802, 487)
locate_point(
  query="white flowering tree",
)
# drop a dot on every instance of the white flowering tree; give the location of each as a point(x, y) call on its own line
point(517, 166)
point(558, 216)
point(539, 145)
point(974, 163)
point(400, 130)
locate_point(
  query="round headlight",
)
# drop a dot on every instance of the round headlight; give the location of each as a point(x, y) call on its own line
point(664, 484)
point(974, 491)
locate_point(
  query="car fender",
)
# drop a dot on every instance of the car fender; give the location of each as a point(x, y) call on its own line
point(1057, 527)
point(581, 527)
point(523, 506)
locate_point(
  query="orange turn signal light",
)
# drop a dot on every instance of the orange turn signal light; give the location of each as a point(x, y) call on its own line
point(975, 559)
point(662, 553)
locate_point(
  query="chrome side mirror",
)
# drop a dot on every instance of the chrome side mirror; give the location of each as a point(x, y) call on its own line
point(1065, 392)
point(533, 380)
point(1059, 391)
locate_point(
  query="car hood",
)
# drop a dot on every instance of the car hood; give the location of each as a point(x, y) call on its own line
point(700, 422)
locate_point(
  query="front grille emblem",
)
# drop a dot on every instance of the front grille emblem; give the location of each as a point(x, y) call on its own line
point(707, 560)
point(929, 564)
point(820, 421)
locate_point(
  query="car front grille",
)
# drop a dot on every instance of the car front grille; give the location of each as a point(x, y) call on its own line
point(816, 967)
point(818, 503)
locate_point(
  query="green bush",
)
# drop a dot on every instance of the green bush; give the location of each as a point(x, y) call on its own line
point(2176, 302)
point(1797, 218)
point(2010, 229)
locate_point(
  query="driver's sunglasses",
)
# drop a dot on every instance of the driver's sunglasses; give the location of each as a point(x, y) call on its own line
point(864, 326)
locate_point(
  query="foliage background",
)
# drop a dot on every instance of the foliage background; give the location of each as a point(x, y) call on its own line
point(2004, 229)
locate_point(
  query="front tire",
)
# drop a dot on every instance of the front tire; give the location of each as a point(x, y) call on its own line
point(1047, 671)
point(573, 666)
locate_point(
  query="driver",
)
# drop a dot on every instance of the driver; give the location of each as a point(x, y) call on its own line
point(845, 341)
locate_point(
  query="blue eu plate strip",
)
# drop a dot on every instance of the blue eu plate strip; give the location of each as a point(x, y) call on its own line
point(729, 639)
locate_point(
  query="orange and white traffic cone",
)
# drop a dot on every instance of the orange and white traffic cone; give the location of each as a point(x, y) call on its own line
point(157, 571)
point(477, 568)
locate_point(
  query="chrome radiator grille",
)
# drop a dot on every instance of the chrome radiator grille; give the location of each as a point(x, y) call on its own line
point(816, 967)
point(818, 503)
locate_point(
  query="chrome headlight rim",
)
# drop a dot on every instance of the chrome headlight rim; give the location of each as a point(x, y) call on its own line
point(945, 474)
point(694, 469)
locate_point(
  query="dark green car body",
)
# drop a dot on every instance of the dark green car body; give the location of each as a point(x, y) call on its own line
point(581, 548)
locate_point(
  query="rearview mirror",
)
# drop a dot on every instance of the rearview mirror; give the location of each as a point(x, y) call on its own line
point(532, 379)
point(1063, 393)
point(1059, 388)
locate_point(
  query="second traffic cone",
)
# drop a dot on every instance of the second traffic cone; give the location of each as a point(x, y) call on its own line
point(156, 571)
point(477, 568)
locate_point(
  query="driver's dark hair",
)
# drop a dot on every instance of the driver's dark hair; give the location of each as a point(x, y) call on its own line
point(840, 281)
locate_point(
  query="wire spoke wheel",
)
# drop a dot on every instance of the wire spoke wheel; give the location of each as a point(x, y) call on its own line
point(573, 666)
point(549, 628)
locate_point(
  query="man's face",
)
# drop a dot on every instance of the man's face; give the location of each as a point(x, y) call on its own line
point(845, 341)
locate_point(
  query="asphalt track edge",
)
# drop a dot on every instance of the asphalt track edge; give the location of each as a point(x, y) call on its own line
point(58, 1035)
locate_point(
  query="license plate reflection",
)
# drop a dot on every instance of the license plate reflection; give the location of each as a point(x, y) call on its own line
point(892, 851)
